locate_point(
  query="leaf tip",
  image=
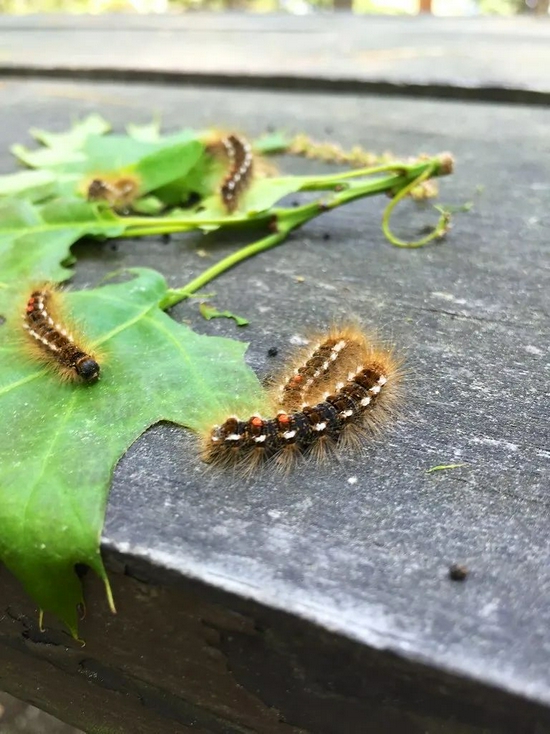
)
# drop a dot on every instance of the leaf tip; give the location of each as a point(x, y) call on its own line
point(109, 594)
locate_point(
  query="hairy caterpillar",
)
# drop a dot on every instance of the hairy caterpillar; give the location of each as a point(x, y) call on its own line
point(118, 193)
point(51, 341)
point(241, 167)
point(313, 369)
point(347, 387)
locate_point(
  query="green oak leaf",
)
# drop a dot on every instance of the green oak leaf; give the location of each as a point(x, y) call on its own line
point(149, 132)
point(35, 241)
point(266, 144)
point(61, 441)
point(86, 150)
point(166, 165)
point(156, 164)
point(151, 172)
point(74, 138)
point(47, 157)
point(61, 148)
point(202, 179)
point(149, 205)
point(114, 152)
point(261, 196)
point(98, 153)
point(265, 192)
point(32, 185)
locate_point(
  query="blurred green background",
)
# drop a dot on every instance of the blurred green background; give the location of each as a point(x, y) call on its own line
point(437, 7)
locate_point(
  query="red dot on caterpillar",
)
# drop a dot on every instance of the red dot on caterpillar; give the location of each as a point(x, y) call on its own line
point(54, 341)
point(348, 389)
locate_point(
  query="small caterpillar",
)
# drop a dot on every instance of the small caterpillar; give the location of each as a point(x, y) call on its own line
point(119, 193)
point(348, 388)
point(53, 342)
point(241, 168)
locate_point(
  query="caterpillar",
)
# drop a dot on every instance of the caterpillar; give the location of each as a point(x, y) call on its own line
point(241, 169)
point(52, 342)
point(313, 368)
point(348, 388)
point(119, 193)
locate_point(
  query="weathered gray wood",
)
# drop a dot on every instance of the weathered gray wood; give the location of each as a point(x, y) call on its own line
point(330, 601)
point(478, 58)
point(18, 717)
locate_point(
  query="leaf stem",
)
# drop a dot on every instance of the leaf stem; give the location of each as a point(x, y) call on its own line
point(402, 175)
point(148, 226)
point(175, 295)
point(439, 230)
point(284, 220)
point(315, 183)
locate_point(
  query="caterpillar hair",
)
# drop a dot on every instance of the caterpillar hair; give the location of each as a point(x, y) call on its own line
point(315, 368)
point(118, 193)
point(51, 340)
point(347, 389)
point(241, 168)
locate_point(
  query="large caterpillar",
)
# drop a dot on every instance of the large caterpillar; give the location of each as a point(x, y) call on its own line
point(345, 387)
point(51, 340)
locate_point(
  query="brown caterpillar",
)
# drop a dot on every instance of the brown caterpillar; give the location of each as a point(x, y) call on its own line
point(241, 169)
point(348, 388)
point(51, 341)
point(118, 193)
point(312, 370)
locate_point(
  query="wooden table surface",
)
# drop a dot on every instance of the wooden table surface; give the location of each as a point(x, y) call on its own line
point(312, 603)
point(506, 59)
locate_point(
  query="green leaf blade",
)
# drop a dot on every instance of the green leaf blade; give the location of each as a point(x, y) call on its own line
point(63, 440)
point(32, 185)
point(74, 138)
point(36, 240)
point(166, 165)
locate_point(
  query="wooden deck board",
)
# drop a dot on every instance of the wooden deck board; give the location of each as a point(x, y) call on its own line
point(506, 59)
point(311, 569)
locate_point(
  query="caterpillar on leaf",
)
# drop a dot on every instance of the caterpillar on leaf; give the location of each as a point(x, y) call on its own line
point(119, 193)
point(241, 170)
point(53, 341)
point(241, 166)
